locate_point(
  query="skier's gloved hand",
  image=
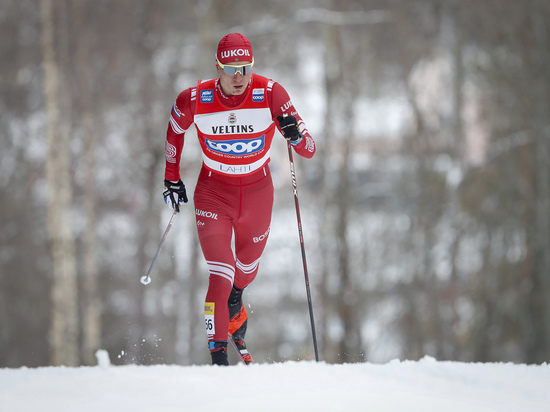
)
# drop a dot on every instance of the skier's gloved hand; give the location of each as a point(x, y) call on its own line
point(289, 127)
point(174, 194)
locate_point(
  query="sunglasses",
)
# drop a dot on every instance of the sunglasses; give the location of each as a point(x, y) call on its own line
point(233, 70)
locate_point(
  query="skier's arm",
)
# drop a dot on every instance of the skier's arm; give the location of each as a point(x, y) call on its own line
point(181, 118)
point(281, 105)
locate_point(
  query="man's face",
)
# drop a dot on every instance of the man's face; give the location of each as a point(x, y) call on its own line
point(234, 85)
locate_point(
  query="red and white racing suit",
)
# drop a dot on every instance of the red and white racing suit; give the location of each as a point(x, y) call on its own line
point(234, 191)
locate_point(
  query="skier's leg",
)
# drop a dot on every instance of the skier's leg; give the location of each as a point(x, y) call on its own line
point(251, 233)
point(215, 228)
point(252, 229)
point(216, 312)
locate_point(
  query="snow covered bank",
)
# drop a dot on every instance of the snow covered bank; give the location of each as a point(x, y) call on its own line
point(426, 385)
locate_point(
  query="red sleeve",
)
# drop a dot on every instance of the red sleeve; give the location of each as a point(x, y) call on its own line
point(281, 105)
point(181, 118)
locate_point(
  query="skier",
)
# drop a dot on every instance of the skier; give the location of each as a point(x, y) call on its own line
point(235, 116)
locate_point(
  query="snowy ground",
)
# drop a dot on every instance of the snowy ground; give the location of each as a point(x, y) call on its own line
point(426, 385)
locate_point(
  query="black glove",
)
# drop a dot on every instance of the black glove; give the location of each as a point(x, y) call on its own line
point(290, 129)
point(174, 194)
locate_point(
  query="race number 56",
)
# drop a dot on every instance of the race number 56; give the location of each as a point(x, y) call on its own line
point(209, 318)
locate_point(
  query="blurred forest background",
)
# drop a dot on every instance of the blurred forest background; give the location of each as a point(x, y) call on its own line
point(425, 210)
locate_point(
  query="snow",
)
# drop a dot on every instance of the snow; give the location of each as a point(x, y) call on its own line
point(425, 385)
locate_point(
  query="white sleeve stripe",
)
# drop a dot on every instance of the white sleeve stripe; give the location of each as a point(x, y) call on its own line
point(176, 127)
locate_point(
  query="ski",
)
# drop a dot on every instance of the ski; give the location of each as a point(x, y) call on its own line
point(241, 350)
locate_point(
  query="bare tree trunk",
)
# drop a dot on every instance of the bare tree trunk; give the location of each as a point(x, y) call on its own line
point(91, 304)
point(328, 298)
point(347, 298)
point(451, 39)
point(340, 104)
point(64, 317)
point(540, 339)
point(91, 311)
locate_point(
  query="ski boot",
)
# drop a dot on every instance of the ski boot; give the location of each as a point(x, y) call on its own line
point(238, 322)
point(218, 351)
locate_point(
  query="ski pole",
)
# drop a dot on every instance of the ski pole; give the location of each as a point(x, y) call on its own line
point(147, 278)
point(302, 245)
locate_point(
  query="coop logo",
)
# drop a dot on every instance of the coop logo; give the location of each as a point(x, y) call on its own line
point(237, 147)
point(207, 96)
point(258, 95)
